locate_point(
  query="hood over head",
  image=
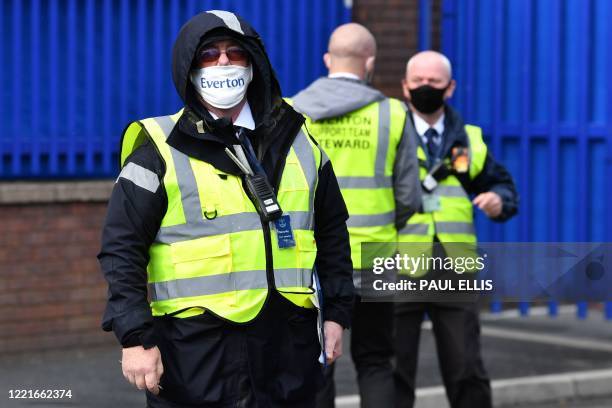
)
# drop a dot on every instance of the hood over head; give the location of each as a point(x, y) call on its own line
point(264, 93)
point(332, 97)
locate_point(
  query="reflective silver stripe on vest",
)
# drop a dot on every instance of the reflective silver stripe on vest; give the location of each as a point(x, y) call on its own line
point(224, 283)
point(143, 178)
point(286, 278)
point(451, 191)
point(384, 127)
point(184, 176)
point(226, 224)
point(303, 151)
point(415, 229)
point(324, 157)
point(371, 220)
point(365, 182)
point(192, 208)
point(166, 124)
point(452, 227)
point(208, 285)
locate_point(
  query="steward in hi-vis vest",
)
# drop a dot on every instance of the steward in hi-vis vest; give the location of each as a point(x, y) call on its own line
point(364, 134)
point(448, 180)
point(226, 230)
point(361, 131)
point(458, 174)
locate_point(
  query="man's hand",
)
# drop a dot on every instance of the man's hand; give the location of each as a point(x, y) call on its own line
point(142, 367)
point(490, 203)
point(333, 340)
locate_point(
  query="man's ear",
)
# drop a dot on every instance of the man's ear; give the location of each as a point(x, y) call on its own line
point(368, 75)
point(370, 63)
point(327, 60)
point(450, 90)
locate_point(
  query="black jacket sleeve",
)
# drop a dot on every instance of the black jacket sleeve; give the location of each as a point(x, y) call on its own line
point(494, 177)
point(133, 218)
point(333, 262)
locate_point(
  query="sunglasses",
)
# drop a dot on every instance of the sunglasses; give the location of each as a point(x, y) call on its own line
point(234, 54)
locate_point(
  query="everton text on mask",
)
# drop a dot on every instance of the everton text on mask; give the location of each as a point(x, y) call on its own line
point(216, 84)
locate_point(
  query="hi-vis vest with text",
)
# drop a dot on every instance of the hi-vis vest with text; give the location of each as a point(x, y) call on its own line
point(362, 146)
point(209, 253)
point(454, 221)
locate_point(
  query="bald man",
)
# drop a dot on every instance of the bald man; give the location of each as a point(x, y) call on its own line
point(458, 173)
point(363, 132)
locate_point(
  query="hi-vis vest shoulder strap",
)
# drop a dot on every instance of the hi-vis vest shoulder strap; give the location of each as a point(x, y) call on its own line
point(210, 251)
point(362, 146)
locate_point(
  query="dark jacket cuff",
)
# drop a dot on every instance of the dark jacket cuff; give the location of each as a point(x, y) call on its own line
point(131, 325)
point(338, 315)
point(509, 204)
point(145, 338)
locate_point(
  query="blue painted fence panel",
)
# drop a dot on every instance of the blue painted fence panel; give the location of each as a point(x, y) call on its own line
point(535, 76)
point(74, 72)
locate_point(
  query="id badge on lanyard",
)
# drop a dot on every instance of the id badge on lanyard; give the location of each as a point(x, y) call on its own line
point(284, 233)
point(431, 202)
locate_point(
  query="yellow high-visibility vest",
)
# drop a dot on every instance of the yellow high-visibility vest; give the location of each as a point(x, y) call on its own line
point(209, 253)
point(454, 221)
point(362, 146)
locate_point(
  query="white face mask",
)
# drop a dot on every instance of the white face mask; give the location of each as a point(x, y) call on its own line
point(223, 86)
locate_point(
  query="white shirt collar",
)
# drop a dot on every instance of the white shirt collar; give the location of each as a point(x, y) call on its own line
point(421, 126)
point(348, 75)
point(244, 119)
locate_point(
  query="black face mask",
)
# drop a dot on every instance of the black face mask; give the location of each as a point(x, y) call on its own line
point(427, 99)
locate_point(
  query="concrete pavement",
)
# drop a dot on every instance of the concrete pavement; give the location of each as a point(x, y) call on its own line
point(528, 358)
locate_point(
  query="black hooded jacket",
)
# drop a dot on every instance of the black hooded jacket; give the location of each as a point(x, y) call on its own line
point(134, 213)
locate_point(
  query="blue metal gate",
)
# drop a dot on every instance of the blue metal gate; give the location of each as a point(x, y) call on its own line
point(74, 72)
point(535, 76)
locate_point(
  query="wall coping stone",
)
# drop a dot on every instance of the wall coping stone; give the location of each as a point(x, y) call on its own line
point(49, 192)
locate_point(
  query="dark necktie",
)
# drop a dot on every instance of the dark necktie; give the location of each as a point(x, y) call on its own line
point(249, 151)
point(432, 143)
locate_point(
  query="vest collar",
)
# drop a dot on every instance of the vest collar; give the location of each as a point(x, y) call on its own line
point(270, 142)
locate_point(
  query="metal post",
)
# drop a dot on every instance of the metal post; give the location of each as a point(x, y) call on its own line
point(424, 24)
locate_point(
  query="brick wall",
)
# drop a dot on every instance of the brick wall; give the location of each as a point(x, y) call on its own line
point(51, 290)
point(395, 24)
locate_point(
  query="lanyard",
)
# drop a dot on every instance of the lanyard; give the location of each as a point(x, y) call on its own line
point(256, 182)
point(249, 152)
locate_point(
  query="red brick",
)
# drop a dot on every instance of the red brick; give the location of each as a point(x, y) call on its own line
point(89, 293)
point(55, 341)
point(9, 299)
point(395, 24)
point(67, 223)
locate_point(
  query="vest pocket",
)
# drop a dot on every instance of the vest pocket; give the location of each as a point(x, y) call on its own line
point(202, 256)
point(305, 241)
